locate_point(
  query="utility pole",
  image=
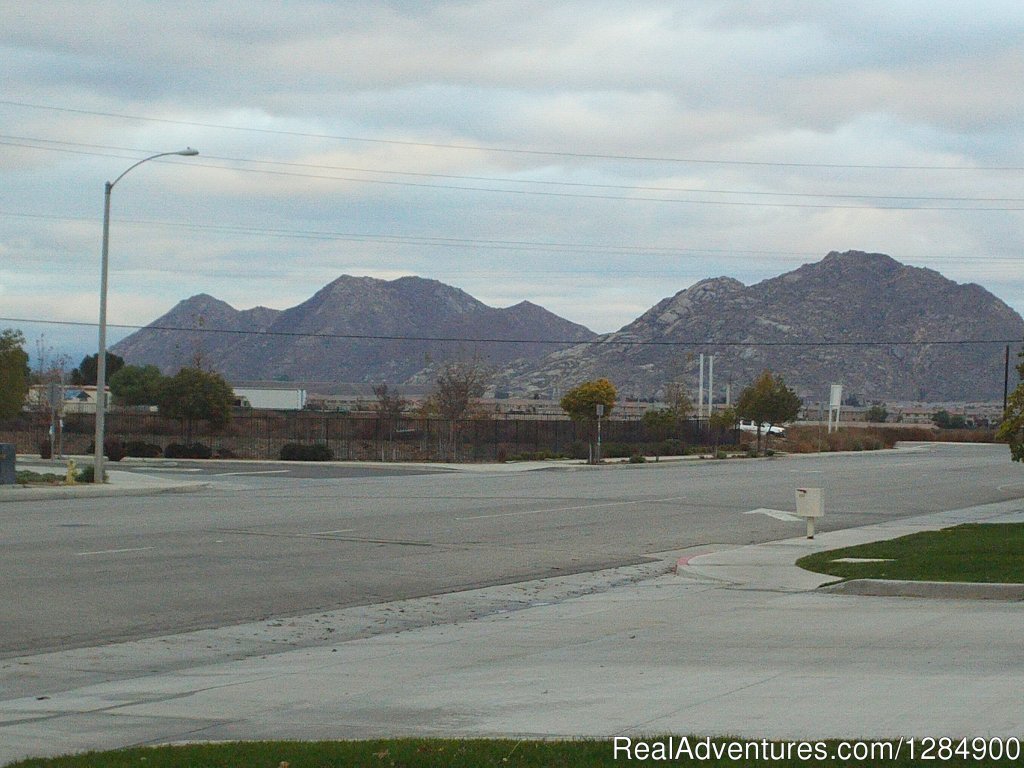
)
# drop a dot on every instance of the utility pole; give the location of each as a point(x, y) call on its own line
point(711, 384)
point(1006, 379)
point(700, 391)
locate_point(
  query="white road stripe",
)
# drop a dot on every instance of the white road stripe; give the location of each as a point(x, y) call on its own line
point(326, 533)
point(113, 551)
point(573, 509)
point(254, 472)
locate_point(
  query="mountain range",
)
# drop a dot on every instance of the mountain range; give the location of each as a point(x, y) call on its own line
point(355, 329)
point(879, 327)
point(885, 330)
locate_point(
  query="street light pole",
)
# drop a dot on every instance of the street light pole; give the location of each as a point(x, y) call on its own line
point(101, 358)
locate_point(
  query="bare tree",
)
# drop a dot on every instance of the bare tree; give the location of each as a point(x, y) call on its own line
point(390, 407)
point(458, 385)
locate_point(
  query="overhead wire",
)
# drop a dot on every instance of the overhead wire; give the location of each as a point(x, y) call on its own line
point(604, 339)
point(510, 150)
point(577, 195)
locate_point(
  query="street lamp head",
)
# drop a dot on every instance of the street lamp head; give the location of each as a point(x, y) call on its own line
point(188, 152)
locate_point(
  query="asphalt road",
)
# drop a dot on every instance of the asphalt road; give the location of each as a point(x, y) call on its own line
point(90, 571)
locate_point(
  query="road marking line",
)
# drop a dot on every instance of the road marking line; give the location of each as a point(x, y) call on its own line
point(254, 472)
point(573, 509)
point(325, 533)
point(113, 551)
point(778, 514)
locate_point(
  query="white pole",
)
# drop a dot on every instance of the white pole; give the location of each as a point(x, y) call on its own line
point(700, 390)
point(711, 384)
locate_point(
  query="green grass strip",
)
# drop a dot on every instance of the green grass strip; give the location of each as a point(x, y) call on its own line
point(974, 552)
point(481, 753)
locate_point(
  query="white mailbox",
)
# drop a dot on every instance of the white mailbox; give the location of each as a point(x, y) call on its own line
point(809, 506)
point(808, 502)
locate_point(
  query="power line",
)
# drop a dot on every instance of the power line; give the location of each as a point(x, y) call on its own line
point(577, 195)
point(423, 239)
point(510, 150)
point(606, 340)
point(580, 249)
point(14, 141)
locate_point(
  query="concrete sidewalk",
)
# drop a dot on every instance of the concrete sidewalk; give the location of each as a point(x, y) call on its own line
point(771, 566)
point(118, 483)
point(736, 642)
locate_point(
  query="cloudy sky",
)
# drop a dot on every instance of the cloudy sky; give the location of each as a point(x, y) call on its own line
point(591, 157)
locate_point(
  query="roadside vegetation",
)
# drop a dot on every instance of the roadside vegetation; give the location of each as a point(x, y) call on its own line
point(470, 753)
point(974, 552)
point(28, 477)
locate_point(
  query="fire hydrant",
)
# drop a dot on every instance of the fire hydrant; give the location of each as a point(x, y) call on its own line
point(69, 478)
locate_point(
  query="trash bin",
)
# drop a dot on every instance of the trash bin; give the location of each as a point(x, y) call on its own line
point(7, 456)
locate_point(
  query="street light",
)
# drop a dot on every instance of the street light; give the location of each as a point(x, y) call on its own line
point(101, 359)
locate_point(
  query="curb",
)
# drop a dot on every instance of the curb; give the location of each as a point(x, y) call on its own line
point(950, 590)
point(86, 491)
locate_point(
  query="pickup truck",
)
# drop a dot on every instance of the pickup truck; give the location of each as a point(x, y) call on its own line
point(750, 426)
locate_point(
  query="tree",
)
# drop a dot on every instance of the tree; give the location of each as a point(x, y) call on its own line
point(457, 386)
point(192, 395)
point(722, 421)
point(768, 402)
point(943, 419)
point(137, 385)
point(877, 414)
point(1012, 428)
point(85, 374)
point(678, 400)
point(390, 407)
point(14, 373)
point(581, 404)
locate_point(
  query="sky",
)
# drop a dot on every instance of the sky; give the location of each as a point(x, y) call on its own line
point(590, 157)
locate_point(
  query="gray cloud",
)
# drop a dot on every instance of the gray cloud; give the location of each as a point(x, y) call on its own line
point(908, 84)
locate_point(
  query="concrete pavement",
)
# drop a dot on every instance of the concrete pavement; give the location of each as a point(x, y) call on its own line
point(119, 483)
point(737, 641)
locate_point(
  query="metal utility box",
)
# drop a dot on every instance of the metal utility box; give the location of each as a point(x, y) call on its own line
point(7, 459)
point(808, 502)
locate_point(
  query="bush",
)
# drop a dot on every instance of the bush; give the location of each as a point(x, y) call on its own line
point(672, 447)
point(187, 451)
point(142, 450)
point(87, 474)
point(637, 458)
point(301, 452)
point(542, 455)
point(616, 451)
point(113, 448)
point(45, 450)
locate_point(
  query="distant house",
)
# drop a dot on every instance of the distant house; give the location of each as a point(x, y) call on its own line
point(76, 399)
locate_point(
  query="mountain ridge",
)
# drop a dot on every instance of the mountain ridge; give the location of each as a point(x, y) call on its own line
point(824, 322)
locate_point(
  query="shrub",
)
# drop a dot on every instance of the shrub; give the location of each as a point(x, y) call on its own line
point(45, 450)
point(87, 474)
point(113, 448)
point(616, 451)
point(542, 455)
point(187, 451)
point(301, 452)
point(672, 447)
point(637, 458)
point(142, 450)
